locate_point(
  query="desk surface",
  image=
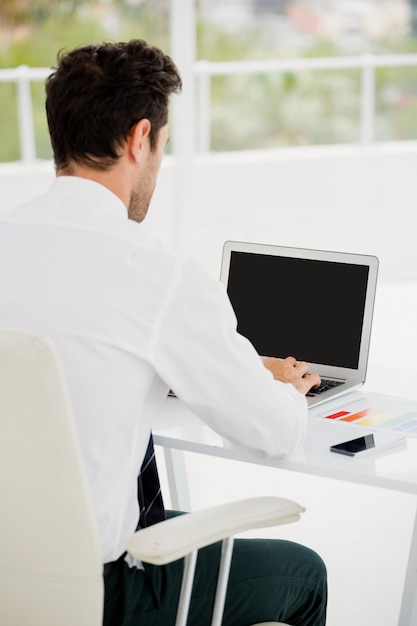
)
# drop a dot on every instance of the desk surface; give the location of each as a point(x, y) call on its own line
point(177, 427)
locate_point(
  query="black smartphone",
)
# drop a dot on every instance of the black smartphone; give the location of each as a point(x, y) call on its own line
point(354, 446)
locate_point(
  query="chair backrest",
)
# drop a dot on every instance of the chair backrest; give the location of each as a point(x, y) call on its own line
point(50, 563)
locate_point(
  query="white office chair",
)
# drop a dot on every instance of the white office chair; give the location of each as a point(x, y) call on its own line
point(50, 562)
point(182, 537)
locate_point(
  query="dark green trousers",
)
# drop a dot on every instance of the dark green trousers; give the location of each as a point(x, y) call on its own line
point(270, 580)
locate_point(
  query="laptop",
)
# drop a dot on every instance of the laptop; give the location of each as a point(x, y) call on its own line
point(314, 305)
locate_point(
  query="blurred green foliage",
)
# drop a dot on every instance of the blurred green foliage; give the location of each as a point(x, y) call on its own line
point(247, 112)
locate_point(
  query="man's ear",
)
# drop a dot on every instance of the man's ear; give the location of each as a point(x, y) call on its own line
point(138, 139)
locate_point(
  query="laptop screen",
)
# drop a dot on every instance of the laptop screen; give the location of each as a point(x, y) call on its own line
point(309, 308)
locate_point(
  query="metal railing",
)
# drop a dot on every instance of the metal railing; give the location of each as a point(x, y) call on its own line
point(22, 76)
point(367, 64)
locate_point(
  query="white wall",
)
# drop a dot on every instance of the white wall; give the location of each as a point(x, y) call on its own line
point(350, 198)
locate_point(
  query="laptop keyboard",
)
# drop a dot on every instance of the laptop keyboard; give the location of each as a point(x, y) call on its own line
point(326, 383)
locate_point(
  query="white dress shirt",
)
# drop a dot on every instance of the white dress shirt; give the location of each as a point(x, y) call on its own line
point(132, 319)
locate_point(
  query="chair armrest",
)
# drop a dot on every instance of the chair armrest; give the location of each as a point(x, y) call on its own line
point(176, 537)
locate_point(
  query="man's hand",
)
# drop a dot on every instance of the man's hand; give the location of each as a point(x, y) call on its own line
point(289, 371)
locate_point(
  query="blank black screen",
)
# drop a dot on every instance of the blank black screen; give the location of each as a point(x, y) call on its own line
point(312, 310)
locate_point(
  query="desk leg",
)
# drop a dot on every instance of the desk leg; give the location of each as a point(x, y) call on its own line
point(177, 479)
point(408, 612)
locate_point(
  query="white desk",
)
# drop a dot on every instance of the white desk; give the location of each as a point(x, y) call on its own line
point(179, 430)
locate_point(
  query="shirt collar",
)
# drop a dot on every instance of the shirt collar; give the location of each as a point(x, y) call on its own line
point(87, 197)
point(75, 202)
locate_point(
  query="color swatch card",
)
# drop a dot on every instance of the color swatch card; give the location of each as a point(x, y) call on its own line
point(372, 410)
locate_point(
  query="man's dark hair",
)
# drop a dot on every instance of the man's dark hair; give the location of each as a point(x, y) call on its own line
point(97, 94)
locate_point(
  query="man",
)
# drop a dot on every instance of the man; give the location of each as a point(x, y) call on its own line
point(131, 320)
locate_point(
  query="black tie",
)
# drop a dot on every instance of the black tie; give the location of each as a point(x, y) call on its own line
point(151, 504)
